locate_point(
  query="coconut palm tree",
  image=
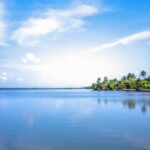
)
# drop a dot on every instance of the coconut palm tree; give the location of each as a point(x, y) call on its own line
point(138, 83)
point(98, 80)
point(143, 74)
point(105, 79)
point(131, 76)
point(123, 78)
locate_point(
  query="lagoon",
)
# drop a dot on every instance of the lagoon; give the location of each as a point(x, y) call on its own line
point(74, 120)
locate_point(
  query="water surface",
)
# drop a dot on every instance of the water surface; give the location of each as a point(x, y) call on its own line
point(74, 120)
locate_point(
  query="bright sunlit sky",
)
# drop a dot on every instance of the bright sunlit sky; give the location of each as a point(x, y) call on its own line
point(69, 43)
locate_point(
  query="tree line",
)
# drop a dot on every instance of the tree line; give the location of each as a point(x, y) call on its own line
point(130, 81)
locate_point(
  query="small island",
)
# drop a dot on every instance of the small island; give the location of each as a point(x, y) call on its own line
point(127, 83)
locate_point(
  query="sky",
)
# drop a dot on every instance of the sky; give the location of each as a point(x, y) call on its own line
point(70, 43)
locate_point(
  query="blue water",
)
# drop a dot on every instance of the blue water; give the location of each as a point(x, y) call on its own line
point(74, 120)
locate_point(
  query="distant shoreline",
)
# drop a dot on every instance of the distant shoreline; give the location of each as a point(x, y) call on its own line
point(29, 88)
point(127, 90)
point(140, 90)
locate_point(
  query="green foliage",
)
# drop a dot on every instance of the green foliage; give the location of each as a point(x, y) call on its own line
point(127, 82)
point(111, 85)
point(145, 84)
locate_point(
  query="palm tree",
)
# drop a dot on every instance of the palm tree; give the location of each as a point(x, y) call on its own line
point(138, 84)
point(105, 79)
point(123, 78)
point(98, 80)
point(131, 76)
point(115, 79)
point(143, 74)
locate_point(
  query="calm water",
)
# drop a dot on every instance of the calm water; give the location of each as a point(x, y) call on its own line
point(74, 120)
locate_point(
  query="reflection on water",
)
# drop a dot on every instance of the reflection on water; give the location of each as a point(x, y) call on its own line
point(74, 120)
point(131, 104)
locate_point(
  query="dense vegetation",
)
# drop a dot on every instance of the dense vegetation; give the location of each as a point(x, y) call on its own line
point(129, 81)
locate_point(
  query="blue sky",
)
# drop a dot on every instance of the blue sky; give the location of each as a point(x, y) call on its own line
point(63, 43)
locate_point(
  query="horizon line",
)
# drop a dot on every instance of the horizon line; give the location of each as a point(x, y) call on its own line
point(37, 88)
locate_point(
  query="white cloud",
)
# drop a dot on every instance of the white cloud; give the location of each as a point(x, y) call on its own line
point(135, 37)
point(19, 79)
point(2, 24)
point(124, 41)
point(4, 76)
point(50, 22)
point(30, 58)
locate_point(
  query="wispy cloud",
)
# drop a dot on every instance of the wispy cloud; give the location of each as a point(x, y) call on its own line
point(4, 76)
point(19, 79)
point(30, 58)
point(52, 21)
point(123, 41)
point(2, 24)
